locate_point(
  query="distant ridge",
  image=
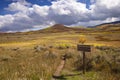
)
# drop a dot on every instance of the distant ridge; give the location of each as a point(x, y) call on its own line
point(115, 22)
point(109, 26)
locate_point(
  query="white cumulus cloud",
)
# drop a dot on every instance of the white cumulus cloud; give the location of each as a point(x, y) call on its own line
point(29, 16)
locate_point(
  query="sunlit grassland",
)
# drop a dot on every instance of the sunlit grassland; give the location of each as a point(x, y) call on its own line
point(28, 57)
point(56, 38)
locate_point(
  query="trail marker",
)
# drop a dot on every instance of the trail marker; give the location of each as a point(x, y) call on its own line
point(84, 48)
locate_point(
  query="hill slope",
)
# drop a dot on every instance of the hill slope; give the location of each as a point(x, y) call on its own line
point(60, 28)
point(113, 26)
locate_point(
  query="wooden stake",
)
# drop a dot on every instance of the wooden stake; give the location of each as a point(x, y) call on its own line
point(84, 66)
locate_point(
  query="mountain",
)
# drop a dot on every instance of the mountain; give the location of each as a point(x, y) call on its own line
point(54, 29)
point(113, 26)
point(115, 22)
point(60, 28)
point(109, 26)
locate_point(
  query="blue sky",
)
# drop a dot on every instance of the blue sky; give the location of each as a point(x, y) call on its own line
point(4, 4)
point(26, 15)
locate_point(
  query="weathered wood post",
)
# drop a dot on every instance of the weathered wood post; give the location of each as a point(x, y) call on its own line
point(84, 64)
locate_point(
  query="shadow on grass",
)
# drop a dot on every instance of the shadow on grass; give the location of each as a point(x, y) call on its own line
point(72, 75)
point(64, 77)
point(59, 77)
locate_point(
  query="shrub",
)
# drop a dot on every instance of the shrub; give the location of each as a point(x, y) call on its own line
point(63, 46)
point(5, 58)
point(39, 48)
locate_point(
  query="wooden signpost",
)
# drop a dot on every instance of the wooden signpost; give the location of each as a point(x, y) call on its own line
point(80, 47)
point(84, 48)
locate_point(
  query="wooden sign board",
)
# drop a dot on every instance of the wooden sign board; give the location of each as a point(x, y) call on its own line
point(85, 48)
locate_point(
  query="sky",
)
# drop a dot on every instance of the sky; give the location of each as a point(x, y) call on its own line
point(26, 15)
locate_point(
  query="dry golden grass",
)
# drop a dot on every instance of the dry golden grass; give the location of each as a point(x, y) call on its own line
point(31, 58)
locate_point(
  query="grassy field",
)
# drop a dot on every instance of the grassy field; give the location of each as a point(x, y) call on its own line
point(30, 56)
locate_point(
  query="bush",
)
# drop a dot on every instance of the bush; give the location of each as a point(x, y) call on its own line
point(39, 48)
point(5, 58)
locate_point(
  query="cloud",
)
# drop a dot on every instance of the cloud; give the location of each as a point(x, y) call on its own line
point(17, 22)
point(105, 9)
point(7, 19)
point(29, 16)
point(19, 5)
